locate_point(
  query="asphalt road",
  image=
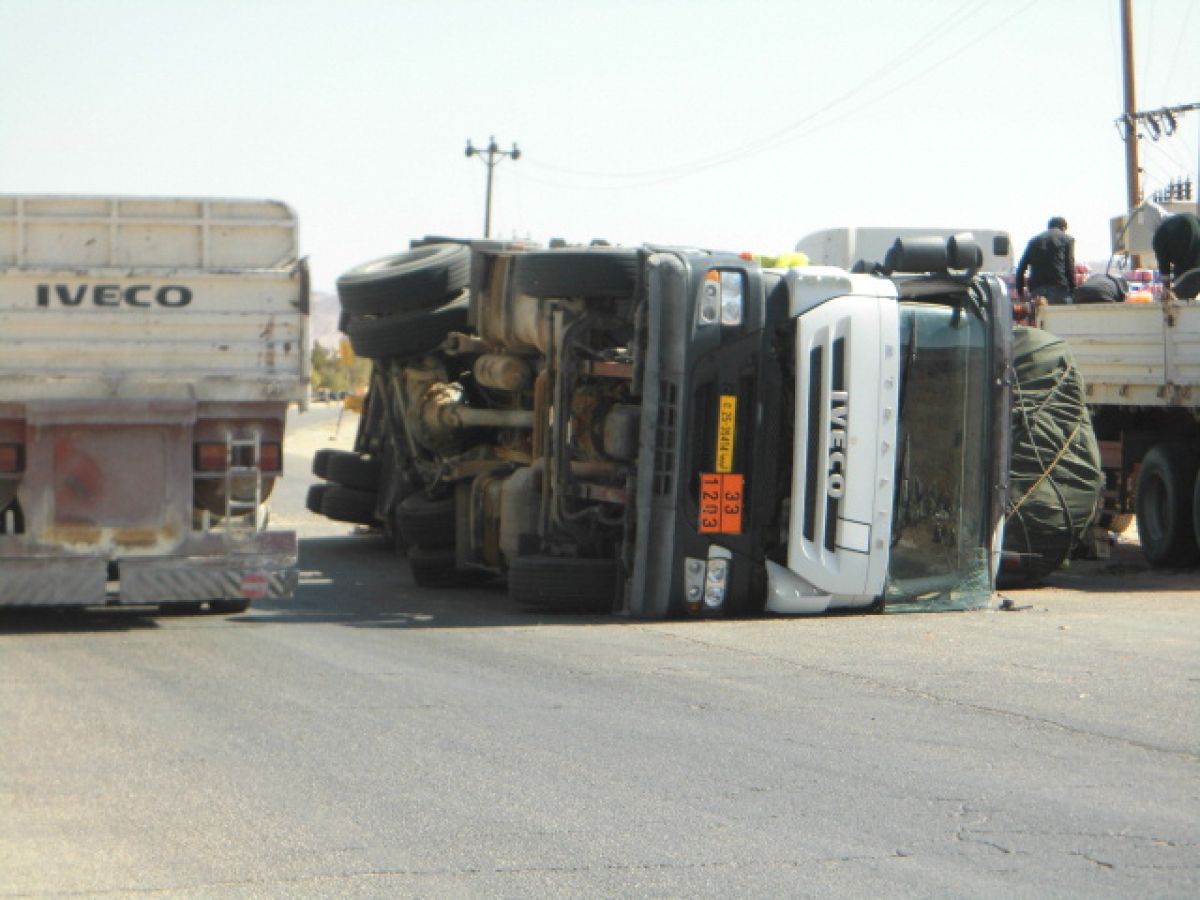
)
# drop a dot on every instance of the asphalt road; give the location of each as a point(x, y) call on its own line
point(373, 739)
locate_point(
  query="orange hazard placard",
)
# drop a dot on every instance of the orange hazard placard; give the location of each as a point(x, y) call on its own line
point(721, 498)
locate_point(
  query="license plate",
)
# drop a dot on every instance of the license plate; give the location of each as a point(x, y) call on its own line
point(721, 498)
point(726, 426)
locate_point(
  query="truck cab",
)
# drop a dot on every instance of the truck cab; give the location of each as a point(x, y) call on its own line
point(841, 444)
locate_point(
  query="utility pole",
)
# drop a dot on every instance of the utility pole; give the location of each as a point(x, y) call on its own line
point(1133, 187)
point(491, 156)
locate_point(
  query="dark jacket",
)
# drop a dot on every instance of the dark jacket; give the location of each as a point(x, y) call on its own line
point(1101, 289)
point(1050, 259)
point(1176, 244)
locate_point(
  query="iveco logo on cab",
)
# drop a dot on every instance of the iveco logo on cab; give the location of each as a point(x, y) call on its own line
point(835, 483)
point(143, 295)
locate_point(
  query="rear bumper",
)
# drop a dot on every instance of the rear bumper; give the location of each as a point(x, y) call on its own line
point(258, 568)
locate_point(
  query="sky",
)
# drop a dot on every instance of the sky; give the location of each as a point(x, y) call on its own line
point(736, 125)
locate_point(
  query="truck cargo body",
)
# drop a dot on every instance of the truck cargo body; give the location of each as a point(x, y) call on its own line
point(149, 349)
point(683, 433)
point(1141, 366)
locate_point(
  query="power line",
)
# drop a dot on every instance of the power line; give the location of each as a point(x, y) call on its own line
point(764, 142)
point(782, 135)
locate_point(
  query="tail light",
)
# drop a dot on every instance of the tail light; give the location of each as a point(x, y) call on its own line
point(12, 459)
point(214, 456)
point(211, 457)
point(270, 457)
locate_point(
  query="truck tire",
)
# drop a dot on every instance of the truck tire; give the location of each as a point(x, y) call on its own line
point(603, 272)
point(352, 470)
point(1165, 485)
point(425, 522)
point(412, 281)
point(407, 335)
point(434, 567)
point(564, 584)
point(320, 463)
point(344, 504)
point(316, 495)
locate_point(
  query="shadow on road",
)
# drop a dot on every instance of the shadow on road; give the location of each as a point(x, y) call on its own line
point(360, 582)
point(72, 620)
point(1124, 572)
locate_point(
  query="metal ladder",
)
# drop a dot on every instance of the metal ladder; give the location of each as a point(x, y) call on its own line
point(241, 516)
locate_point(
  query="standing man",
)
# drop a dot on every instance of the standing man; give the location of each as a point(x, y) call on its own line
point(1050, 259)
point(1176, 245)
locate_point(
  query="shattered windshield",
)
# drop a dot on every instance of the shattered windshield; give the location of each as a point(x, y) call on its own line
point(939, 556)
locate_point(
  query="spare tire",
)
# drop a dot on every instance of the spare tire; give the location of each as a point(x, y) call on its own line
point(416, 279)
point(315, 497)
point(410, 335)
point(429, 523)
point(345, 504)
point(320, 461)
point(352, 470)
point(599, 272)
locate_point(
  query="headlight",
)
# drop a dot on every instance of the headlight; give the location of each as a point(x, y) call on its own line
point(722, 298)
point(715, 582)
point(706, 581)
point(732, 293)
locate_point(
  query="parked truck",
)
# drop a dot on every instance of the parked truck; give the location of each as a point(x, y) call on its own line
point(149, 349)
point(1141, 366)
point(674, 432)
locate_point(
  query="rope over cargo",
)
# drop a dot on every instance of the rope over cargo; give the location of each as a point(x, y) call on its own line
point(1056, 476)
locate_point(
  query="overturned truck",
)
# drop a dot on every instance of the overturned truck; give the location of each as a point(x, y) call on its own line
point(670, 432)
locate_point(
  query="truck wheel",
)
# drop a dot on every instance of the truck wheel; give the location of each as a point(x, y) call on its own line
point(564, 584)
point(407, 335)
point(316, 495)
point(1164, 516)
point(343, 504)
point(320, 463)
point(429, 523)
point(434, 567)
point(352, 470)
point(418, 279)
point(576, 273)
